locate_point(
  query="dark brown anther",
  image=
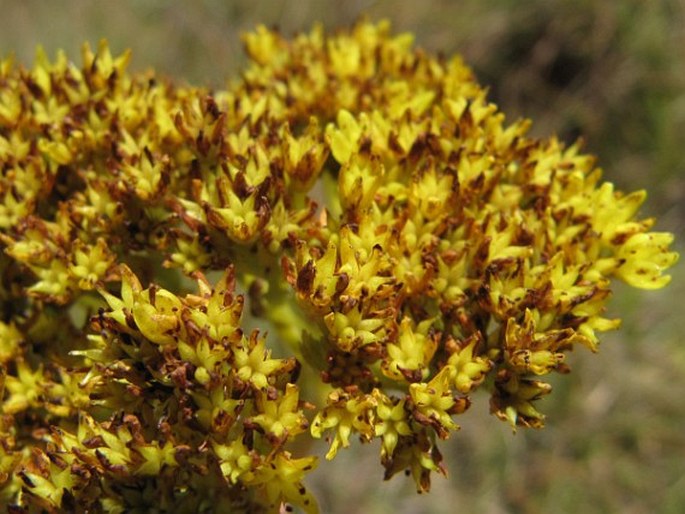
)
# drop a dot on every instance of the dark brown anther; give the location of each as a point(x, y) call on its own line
point(94, 442)
point(305, 278)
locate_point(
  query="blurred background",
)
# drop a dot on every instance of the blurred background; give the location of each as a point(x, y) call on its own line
point(611, 72)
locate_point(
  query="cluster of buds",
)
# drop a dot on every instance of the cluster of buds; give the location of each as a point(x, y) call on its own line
point(374, 209)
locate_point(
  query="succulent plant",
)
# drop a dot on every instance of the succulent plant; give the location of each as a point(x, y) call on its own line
point(363, 198)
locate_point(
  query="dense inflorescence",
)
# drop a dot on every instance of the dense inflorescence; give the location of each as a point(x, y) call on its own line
point(406, 244)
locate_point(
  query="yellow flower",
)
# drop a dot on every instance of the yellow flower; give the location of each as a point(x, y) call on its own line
point(155, 456)
point(263, 45)
point(353, 329)
point(10, 340)
point(253, 362)
point(346, 415)
point(513, 401)
point(362, 198)
point(49, 480)
point(281, 480)
point(644, 257)
point(344, 141)
point(391, 422)
point(25, 388)
point(281, 418)
point(468, 370)
point(433, 402)
point(235, 460)
point(157, 314)
point(409, 357)
point(91, 263)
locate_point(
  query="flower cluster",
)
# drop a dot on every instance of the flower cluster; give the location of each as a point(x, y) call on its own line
point(371, 205)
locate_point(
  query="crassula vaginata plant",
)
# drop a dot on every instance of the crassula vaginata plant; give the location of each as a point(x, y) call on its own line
point(359, 196)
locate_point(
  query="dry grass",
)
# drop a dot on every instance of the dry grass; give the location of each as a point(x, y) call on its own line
point(612, 71)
